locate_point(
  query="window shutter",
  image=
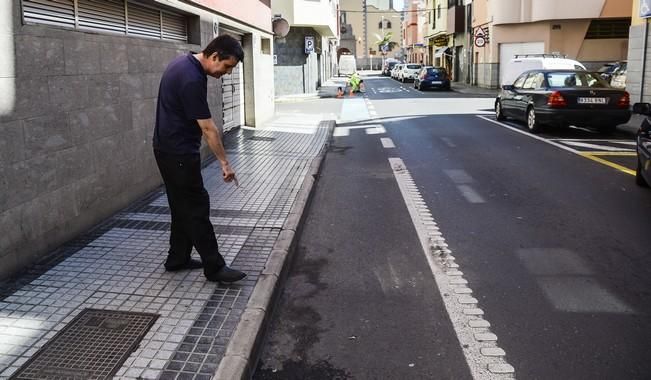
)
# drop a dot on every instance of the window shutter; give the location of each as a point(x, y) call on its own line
point(143, 21)
point(51, 12)
point(174, 27)
point(107, 15)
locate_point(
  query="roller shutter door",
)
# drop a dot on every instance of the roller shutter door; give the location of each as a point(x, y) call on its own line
point(232, 96)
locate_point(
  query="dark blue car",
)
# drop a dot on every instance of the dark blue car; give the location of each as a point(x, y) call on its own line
point(432, 77)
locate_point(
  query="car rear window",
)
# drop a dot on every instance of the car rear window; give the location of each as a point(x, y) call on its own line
point(575, 80)
point(436, 71)
point(413, 67)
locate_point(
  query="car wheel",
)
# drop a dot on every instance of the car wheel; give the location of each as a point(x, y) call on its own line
point(499, 115)
point(532, 122)
point(639, 180)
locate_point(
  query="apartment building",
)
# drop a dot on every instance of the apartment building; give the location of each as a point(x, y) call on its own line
point(79, 82)
point(362, 24)
point(307, 56)
point(590, 31)
point(414, 30)
point(437, 40)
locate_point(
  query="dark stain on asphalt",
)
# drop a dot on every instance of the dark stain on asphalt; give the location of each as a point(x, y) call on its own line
point(339, 149)
point(300, 370)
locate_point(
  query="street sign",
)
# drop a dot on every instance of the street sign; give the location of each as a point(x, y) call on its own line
point(481, 36)
point(645, 8)
point(384, 48)
point(309, 44)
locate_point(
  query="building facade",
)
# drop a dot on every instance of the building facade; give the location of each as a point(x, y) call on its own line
point(638, 76)
point(590, 31)
point(79, 80)
point(307, 56)
point(437, 40)
point(363, 25)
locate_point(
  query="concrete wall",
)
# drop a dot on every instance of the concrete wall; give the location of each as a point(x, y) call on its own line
point(75, 140)
point(640, 92)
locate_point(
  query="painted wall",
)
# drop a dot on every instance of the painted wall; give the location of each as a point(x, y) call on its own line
point(521, 11)
point(319, 14)
point(253, 12)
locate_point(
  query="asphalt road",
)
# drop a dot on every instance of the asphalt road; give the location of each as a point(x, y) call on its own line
point(551, 233)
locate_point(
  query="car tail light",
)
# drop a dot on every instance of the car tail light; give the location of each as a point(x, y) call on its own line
point(624, 101)
point(556, 99)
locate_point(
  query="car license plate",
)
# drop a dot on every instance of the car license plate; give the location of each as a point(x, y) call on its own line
point(592, 100)
point(437, 82)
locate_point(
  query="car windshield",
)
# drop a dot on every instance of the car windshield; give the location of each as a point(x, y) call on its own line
point(413, 67)
point(575, 79)
point(435, 71)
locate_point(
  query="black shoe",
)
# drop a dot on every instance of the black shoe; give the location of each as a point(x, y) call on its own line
point(228, 275)
point(189, 265)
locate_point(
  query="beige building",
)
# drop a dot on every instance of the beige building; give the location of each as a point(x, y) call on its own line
point(437, 40)
point(590, 31)
point(362, 32)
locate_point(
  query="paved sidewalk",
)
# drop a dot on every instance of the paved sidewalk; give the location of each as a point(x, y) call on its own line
point(118, 265)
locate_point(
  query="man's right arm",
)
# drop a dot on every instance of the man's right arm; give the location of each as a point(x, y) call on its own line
point(214, 140)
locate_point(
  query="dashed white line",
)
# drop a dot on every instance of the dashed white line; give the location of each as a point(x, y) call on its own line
point(470, 194)
point(387, 142)
point(467, 319)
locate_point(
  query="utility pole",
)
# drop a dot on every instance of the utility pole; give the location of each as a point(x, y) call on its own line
point(366, 54)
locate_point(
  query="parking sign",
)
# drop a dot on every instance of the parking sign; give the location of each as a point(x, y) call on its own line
point(309, 44)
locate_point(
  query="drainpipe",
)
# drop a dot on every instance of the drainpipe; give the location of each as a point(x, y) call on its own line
point(646, 40)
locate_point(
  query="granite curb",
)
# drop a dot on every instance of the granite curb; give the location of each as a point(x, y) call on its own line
point(244, 346)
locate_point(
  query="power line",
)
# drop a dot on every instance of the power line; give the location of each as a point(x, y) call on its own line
point(388, 11)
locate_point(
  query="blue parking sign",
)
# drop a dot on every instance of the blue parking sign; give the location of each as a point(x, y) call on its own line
point(645, 8)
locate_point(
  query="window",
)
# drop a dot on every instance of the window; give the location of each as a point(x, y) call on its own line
point(574, 79)
point(520, 81)
point(438, 9)
point(535, 80)
point(617, 28)
point(387, 24)
point(113, 16)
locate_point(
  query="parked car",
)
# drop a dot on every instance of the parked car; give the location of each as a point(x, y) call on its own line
point(608, 70)
point(409, 72)
point(562, 98)
point(643, 171)
point(432, 77)
point(388, 66)
point(522, 63)
point(396, 70)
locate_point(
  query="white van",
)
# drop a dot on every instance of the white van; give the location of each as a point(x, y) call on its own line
point(522, 63)
point(347, 64)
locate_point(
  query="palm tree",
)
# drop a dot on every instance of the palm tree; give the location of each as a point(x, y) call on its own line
point(385, 40)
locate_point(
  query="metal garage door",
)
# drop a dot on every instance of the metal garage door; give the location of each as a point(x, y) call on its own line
point(508, 51)
point(232, 99)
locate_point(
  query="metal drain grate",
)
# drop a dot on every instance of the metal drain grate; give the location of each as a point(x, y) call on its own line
point(92, 346)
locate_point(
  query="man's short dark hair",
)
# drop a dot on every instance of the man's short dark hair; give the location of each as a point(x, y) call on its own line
point(225, 46)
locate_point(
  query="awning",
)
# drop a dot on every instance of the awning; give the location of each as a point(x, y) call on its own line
point(441, 51)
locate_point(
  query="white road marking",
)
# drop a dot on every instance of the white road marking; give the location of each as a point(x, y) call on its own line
point(564, 147)
point(472, 330)
point(459, 176)
point(595, 146)
point(448, 142)
point(376, 130)
point(470, 194)
point(387, 142)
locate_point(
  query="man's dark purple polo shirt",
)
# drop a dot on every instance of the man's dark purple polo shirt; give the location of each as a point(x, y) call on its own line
point(181, 101)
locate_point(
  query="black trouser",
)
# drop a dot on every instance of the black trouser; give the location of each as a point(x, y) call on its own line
point(190, 206)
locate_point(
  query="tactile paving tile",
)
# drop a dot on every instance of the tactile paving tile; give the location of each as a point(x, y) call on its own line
point(93, 346)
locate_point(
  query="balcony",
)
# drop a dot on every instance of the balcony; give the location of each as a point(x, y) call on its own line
point(456, 18)
point(318, 14)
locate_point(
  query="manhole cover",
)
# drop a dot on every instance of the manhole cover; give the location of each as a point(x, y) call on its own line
point(261, 138)
point(92, 346)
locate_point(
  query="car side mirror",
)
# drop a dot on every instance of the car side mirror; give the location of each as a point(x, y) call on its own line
point(507, 87)
point(642, 108)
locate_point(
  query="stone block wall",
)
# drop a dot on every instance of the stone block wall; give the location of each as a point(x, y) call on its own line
point(487, 75)
point(75, 146)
